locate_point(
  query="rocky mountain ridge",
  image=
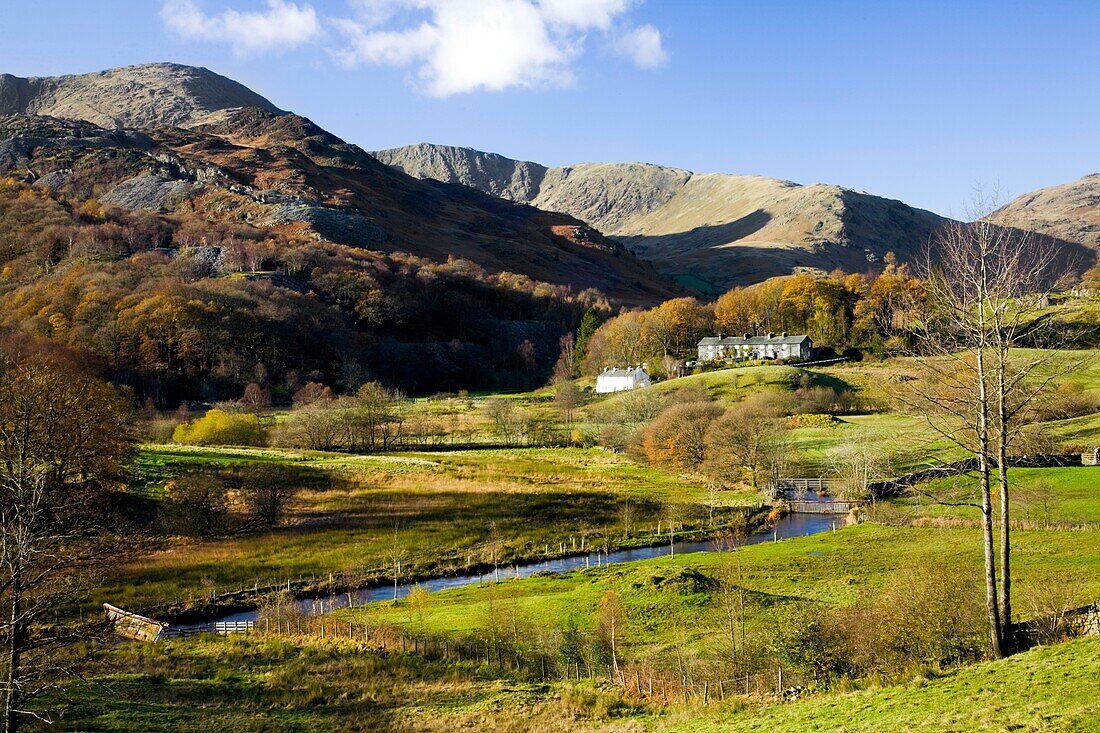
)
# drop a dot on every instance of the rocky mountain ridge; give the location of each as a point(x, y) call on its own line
point(709, 230)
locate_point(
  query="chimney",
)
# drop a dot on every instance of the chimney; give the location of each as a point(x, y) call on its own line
point(748, 335)
point(785, 334)
point(771, 335)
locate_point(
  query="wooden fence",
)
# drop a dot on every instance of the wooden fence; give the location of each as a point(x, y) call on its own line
point(536, 658)
point(246, 594)
point(222, 628)
point(795, 506)
point(801, 484)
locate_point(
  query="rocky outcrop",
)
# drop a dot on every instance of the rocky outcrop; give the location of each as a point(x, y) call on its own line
point(149, 191)
point(515, 180)
point(332, 224)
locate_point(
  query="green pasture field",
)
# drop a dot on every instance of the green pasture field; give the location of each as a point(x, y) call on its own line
point(669, 600)
point(437, 511)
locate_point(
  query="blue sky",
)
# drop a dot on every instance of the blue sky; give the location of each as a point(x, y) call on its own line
point(916, 101)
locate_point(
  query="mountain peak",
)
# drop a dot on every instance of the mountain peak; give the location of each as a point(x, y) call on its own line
point(143, 96)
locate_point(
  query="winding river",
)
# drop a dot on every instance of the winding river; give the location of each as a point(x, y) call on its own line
point(792, 525)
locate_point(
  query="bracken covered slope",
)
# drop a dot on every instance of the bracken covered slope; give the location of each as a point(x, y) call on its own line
point(707, 230)
point(273, 169)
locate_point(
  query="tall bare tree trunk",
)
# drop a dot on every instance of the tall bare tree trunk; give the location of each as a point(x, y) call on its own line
point(1002, 481)
point(979, 279)
point(992, 608)
point(14, 657)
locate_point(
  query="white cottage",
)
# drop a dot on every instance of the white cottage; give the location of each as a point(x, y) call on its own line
point(772, 346)
point(622, 380)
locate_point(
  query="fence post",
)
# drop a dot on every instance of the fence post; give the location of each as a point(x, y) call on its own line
point(706, 691)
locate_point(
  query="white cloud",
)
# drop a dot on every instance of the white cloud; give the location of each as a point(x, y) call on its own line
point(584, 14)
point(282, 25)
point(454, 46)
point(467, 45)
point(643, 46)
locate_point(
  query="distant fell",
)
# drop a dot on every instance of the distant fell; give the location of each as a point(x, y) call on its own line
point(708, 230)
point(1069, 211)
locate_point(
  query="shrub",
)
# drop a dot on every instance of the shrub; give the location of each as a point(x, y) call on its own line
point(158, 430)
point(677, 438)
point(1069, 400)
point(195, 504)
point(931, 617)
point(267, 491)
point(809, 642)
point(220, 428)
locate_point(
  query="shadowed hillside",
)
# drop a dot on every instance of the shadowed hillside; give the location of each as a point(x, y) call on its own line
point(1070, 211)
point(238, 157)
point(708, 230)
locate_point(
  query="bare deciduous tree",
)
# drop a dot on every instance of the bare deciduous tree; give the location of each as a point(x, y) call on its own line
point(857, 465)
point(506, 418)
point(267, 491)
point(567, 398)
point(978, 387)
point(610, 619)
point(372, 419)
point(745, 442)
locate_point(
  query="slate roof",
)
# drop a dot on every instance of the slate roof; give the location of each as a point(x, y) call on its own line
point(621, 372)
point(752, 340)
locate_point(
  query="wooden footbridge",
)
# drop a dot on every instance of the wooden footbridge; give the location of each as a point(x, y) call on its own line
point(810, 496)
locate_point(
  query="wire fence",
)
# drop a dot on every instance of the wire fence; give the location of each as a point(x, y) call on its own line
point(641, 679)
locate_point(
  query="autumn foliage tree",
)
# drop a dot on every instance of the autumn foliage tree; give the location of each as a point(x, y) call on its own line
point(146, 293)
point(839, 310)
point(63, 438)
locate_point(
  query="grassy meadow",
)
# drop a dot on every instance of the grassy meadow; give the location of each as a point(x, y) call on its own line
point(441, 511)
point(671, 605)
point(258, 684)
